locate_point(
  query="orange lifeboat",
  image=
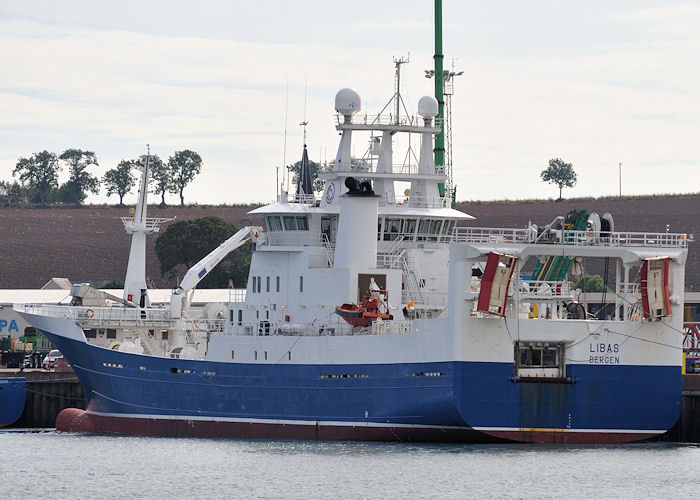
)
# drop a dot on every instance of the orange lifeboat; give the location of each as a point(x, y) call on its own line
point(367, 311)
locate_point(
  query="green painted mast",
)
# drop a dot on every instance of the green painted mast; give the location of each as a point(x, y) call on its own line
point(439, 94)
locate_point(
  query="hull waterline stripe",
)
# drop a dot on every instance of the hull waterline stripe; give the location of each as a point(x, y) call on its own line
point(366, 424)
point(272, 421)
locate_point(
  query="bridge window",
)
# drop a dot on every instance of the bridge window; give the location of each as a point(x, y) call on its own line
point(409, 226)
point(447, 227)
point(274, 222)
point(302, 223)
point(392, 229)
point(296, 223)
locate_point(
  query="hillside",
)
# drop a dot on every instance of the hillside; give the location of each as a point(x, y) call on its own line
point(90, 243)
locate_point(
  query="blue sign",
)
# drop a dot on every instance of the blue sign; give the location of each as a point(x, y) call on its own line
point(13, 326)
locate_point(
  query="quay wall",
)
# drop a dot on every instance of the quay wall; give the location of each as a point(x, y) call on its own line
point(47, 394)
point(687, 429)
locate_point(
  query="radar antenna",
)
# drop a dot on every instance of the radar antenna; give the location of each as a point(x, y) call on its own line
point(397, 82)
point(396, 98)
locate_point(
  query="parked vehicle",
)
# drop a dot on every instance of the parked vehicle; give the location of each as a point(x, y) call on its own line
point(52, 359)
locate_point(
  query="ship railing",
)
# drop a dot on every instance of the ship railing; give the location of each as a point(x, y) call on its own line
point(325, 258)
point(236, 294)
point(387, 119)
point(413, 240)
point(433, 300)
point(389, 261)
point(575, 238)
point(302, 199)
point(394, 327)
point(648, 239)
point(397, 246)
point(328, 329)
point(419, 201)
point(544, 290)
point(98, 316)
point(152, 224)
point(401, 169)
point(205, 325)
point(494, 235)
point(629, 289)
point(294, 238)
point(266, 328)
point(624, 239)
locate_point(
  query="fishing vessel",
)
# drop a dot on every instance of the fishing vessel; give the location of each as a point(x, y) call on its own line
point(12, 399)
point(480, 336)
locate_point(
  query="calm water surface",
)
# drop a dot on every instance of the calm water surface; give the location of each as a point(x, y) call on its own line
point(52, 465)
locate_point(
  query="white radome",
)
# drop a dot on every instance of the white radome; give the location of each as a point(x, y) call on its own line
point(427, 106)
point(347, 102)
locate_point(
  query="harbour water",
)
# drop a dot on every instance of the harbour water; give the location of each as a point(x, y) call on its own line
point(54, 465)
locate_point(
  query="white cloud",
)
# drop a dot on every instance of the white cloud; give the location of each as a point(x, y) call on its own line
point(593, 102)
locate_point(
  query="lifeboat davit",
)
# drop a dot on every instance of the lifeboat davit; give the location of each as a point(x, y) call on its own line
point(364, 313)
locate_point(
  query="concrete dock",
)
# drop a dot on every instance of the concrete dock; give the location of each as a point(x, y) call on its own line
point(47, 394)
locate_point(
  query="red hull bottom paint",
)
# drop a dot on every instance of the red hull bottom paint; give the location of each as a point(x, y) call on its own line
point(74, 420)
point(570, 437)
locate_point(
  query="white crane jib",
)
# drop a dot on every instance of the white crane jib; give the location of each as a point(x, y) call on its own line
point(178, 300)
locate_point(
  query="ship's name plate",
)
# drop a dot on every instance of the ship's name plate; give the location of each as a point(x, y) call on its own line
point(603, 354)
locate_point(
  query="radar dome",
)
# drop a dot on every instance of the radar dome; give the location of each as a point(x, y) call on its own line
point(428, 106)
point(347, 102)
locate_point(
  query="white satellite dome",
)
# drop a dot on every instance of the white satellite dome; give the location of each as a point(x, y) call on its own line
point(347, 102)
point(428, 106)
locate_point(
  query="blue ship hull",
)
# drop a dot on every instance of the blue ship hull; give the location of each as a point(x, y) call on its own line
point(449, 401)
point(12, 399)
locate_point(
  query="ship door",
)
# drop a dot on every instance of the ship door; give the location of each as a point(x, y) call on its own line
point(328, 227)
point(363, 283)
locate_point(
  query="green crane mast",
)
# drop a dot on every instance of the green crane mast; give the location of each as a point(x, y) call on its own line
point(439, 94)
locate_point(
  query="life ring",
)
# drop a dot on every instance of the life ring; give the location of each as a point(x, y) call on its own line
point(89, 314)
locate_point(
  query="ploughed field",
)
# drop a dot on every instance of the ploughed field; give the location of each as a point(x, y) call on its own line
point(84, 244)
point(89, 243)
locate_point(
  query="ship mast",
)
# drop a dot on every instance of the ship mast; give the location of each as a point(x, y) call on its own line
point(138, 226)
point(439, 95)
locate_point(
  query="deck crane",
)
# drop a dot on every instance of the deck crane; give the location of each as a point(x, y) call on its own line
point(179, 302)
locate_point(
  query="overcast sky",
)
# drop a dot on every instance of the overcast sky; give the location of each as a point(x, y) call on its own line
point(593, 82)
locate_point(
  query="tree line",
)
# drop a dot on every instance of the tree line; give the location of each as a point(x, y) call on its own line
point(38, 177)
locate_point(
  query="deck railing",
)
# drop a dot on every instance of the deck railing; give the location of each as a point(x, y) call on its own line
point(294, 238)
point(542, 290)
point(388, 119)
point(575, 238)
point(98, 316)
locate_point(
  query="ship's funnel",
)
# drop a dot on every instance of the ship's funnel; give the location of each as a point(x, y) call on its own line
point(356, 246)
